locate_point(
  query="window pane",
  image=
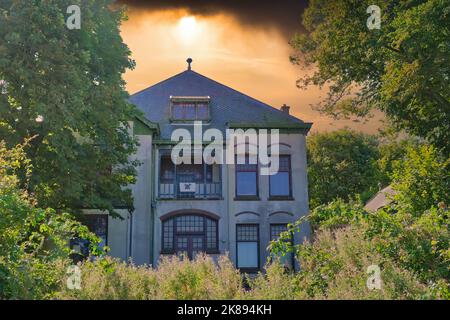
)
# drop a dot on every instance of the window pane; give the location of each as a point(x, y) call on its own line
point(211, 234)
point(202, 111)
point(276, 230)
point(177, 111)
point(279, 184)
point(284, 163)
point(247, 254)
point(168, 235)
point(247, 232)
point(246, 184)
point(167, 170)
point(189, 224)
point(189, 111)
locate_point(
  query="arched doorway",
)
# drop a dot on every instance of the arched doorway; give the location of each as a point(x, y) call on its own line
point(189, 234)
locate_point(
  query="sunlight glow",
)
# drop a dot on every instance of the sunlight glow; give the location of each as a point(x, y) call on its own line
point(188, 28)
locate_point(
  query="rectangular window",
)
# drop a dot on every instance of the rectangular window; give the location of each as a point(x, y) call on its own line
point(275, 230)
point(97, 224)
point(247, 246)
point(280, 183)
point(190, 110)
point(246, 180)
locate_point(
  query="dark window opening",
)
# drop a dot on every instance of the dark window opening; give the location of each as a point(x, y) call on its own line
point(97, 224)
point(190, 110)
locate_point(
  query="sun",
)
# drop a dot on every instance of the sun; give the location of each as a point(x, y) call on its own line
point(188, 28)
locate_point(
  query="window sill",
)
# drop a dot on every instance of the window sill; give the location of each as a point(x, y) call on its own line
point(170, 252)
point(274, 198)
point(190, 199)
point(247, 198)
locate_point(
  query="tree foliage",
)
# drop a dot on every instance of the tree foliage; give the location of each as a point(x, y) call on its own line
point(34, 242)
point(72, 79)
point(342, 164)
point(401, 69)
point(421, 179)
point(409, 236)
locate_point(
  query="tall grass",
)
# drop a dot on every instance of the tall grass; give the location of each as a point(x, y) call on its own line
point(174, 278)
point(334, 266)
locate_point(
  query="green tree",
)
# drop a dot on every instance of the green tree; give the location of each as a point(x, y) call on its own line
point(72, 80)
point(33, 241)
point(402, 69)
point(393, 146)
point(421, 180)
point(341, 164)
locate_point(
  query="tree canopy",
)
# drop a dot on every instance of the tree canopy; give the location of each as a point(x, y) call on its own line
point(402, 69)
point(342, 164)
point(34, 241)
point(64, 88)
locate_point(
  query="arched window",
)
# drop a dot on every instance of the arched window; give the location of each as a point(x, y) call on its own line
point(189, 234)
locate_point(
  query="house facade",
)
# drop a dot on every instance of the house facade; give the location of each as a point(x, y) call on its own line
point(198, 207)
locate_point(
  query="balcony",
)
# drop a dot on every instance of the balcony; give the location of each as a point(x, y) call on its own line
point(189, 181)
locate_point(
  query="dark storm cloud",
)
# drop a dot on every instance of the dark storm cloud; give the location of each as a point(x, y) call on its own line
point(281, 14)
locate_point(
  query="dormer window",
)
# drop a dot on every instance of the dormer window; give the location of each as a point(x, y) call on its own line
point(189, 108)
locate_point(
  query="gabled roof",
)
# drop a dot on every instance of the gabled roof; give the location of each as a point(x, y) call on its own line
point(228, 106)
point(380, 200)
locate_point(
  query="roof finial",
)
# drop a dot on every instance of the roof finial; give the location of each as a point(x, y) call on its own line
point(189, 61)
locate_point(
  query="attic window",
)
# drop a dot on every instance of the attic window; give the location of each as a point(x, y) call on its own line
point(189, 108)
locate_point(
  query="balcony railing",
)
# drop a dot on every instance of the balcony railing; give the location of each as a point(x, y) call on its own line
point(200, 191)
point(185, 186)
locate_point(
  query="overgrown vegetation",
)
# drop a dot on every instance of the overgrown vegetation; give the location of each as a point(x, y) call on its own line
point(409, 239)
point(342, 163)
point(345, 164)
point(33, 241)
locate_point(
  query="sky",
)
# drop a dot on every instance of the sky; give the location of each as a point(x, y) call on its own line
point(243, 44)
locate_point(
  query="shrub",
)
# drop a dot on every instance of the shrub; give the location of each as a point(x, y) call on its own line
point(275, 284)
point(417, 244)
point(33, 241)
point(334, 265)
point(337, 213)
point(344, 275)
point(421, 180)
point(174, 278)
